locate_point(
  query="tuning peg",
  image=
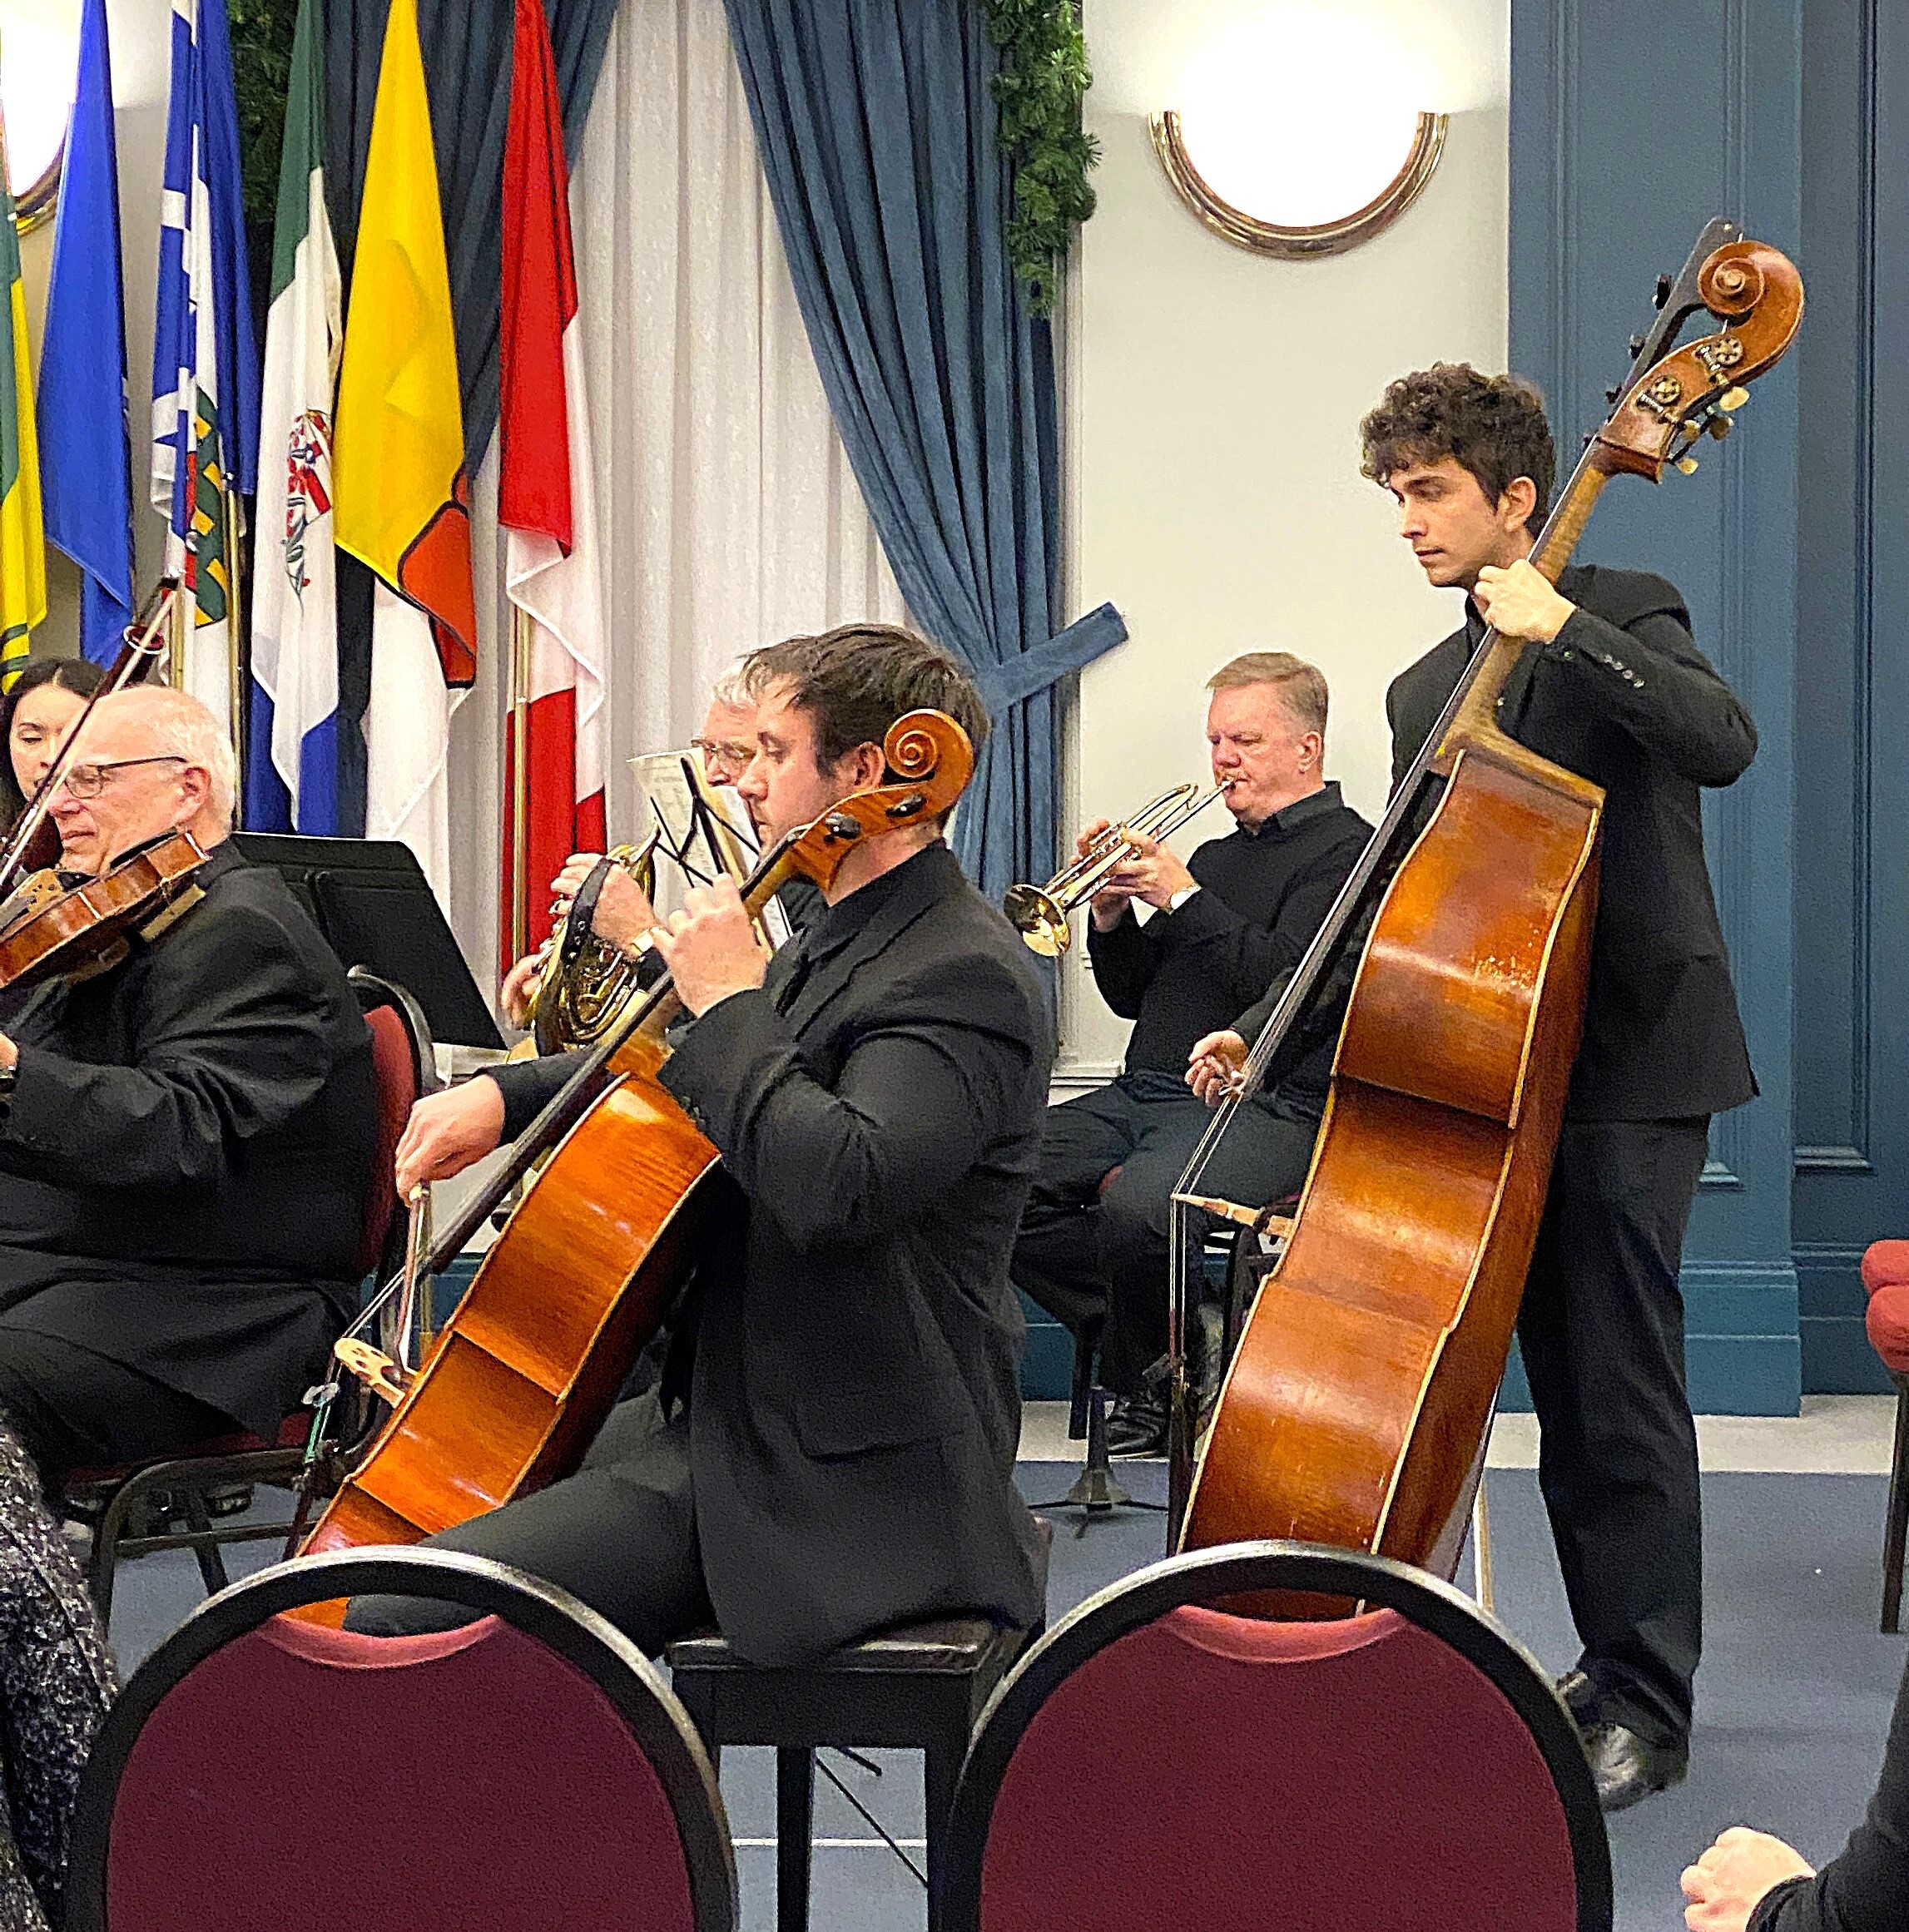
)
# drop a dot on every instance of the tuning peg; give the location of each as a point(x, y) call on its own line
point(1589, 438)
point(1636, 347)
point(1719, 427)
point(1663, 290)
point(1688, 464)
point(1613, 392)
point(1733, 399)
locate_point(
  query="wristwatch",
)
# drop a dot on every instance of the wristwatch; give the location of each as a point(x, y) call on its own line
point(1182, 896)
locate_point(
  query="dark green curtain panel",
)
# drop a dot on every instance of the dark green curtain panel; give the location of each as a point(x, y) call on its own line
point(877, 127)
point(467, 49)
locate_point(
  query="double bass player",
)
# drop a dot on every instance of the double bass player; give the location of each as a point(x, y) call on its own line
point(1611, 687)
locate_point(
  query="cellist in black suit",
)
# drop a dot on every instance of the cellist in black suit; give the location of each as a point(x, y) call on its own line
point(831, 1448)
point(1614, 688)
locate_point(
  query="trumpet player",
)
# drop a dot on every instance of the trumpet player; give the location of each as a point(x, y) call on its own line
point(1093, 1240)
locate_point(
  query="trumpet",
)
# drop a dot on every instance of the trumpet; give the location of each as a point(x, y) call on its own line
point(1039, 912)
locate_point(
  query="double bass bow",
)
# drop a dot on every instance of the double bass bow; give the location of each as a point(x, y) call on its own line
point(1356, 1409)
point(592, 1258)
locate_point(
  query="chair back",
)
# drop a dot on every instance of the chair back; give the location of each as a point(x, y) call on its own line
point(1409, 1767)
point(404, 1069)
point(527, 1772)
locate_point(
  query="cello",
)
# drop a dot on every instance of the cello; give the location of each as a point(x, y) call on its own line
point(1356, 1409)
point(592, 1259)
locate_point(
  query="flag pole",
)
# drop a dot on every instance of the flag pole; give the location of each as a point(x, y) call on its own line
point(183, 609)
point(235, 606)
point(519, 783)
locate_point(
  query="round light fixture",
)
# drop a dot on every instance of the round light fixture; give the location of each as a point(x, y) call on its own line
point(39, 56)
point(1279, 195)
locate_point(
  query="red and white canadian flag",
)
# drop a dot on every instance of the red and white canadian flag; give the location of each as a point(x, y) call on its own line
point(546, 497)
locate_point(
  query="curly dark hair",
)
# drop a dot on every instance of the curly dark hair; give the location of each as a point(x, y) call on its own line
point(1492, 427)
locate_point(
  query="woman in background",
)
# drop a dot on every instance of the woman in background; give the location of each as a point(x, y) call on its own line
point(35, 715)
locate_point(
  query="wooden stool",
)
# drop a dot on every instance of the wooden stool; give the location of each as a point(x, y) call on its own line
point(919, 1687)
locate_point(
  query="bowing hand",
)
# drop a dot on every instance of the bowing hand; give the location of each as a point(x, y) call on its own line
point(1215, 1065)
point(711, 947)
point(1726, 1885)
point(1519, 602)
point(447, 1131)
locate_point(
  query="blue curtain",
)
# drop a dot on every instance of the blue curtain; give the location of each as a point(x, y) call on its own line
point(876, 123)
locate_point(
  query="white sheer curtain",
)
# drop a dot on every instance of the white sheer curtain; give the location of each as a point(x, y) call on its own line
point(730, 514)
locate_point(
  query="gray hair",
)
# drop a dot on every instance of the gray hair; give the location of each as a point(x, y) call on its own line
point(187, 730)
point(731, 690)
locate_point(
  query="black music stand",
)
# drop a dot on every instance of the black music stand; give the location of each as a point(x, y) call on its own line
point(370, 899)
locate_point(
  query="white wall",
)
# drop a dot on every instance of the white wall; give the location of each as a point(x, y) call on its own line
point(1214, 398)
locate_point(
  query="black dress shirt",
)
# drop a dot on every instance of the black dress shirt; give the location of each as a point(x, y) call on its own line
point(1184, 974)
point(187, 1152)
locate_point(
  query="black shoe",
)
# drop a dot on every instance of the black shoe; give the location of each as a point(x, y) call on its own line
point(1136, 1426)
point(1580, 1697)
point(1626, 1769)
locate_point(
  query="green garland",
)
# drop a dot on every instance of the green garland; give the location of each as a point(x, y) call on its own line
point(261, 78)
point(1043, 77)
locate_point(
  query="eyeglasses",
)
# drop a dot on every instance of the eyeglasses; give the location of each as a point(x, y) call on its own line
point(716, 752)
point(86, 781)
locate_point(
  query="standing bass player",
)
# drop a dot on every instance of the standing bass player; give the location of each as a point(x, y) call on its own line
point(1613, 688)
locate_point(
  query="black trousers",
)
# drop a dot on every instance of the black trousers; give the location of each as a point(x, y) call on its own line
point(74, 1408)
point(1601, 1329)
point(1081, 1252)
point(620, 1534)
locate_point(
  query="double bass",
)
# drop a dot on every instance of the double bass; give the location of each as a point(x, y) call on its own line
point(593, 1257)
point(1356, 1409)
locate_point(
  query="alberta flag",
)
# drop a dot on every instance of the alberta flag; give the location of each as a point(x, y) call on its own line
point(22, 539)
point(291, 772)
point(205, 359)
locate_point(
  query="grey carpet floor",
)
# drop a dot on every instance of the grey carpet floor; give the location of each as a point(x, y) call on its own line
point(1793, 1704)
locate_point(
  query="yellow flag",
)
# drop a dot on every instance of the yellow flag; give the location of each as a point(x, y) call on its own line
point(22, 536)
point(398, 452)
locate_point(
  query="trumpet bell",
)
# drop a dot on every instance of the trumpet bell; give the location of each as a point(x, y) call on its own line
point(1039, 917)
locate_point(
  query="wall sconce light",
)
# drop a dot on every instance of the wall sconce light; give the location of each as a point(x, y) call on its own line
point(39, 55)
point(1308, 180)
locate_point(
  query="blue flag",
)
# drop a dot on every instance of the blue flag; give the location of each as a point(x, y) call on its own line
point(85, 451)
point(204, 356)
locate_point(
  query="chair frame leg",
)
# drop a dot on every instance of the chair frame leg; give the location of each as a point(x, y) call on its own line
point(1896, 1521)
point(794, 1825)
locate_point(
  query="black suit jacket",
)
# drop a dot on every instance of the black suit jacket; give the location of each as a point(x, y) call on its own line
point(1623, 695)
point(187, 1152)
point(854, 1402)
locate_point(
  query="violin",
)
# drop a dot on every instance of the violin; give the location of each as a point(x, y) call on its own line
point(57, 929)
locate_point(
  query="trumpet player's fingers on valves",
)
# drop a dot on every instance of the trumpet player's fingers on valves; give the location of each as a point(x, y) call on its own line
point(1153, 875)
point(1182, 948)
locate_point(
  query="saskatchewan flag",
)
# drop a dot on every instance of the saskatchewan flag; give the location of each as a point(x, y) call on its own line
point(22, 537)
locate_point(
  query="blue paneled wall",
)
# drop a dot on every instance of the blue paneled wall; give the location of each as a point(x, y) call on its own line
point(1626, 136)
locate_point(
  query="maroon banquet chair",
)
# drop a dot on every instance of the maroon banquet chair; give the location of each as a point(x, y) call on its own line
point(528, 1772)
point(1410, 1768)
point(1886, 1276)
point(177, 1490)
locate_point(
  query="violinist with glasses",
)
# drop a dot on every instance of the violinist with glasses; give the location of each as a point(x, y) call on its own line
point(187, 1130)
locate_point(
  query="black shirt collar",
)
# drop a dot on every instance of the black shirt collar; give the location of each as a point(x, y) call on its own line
point(835, 925)
point(1301, 811)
